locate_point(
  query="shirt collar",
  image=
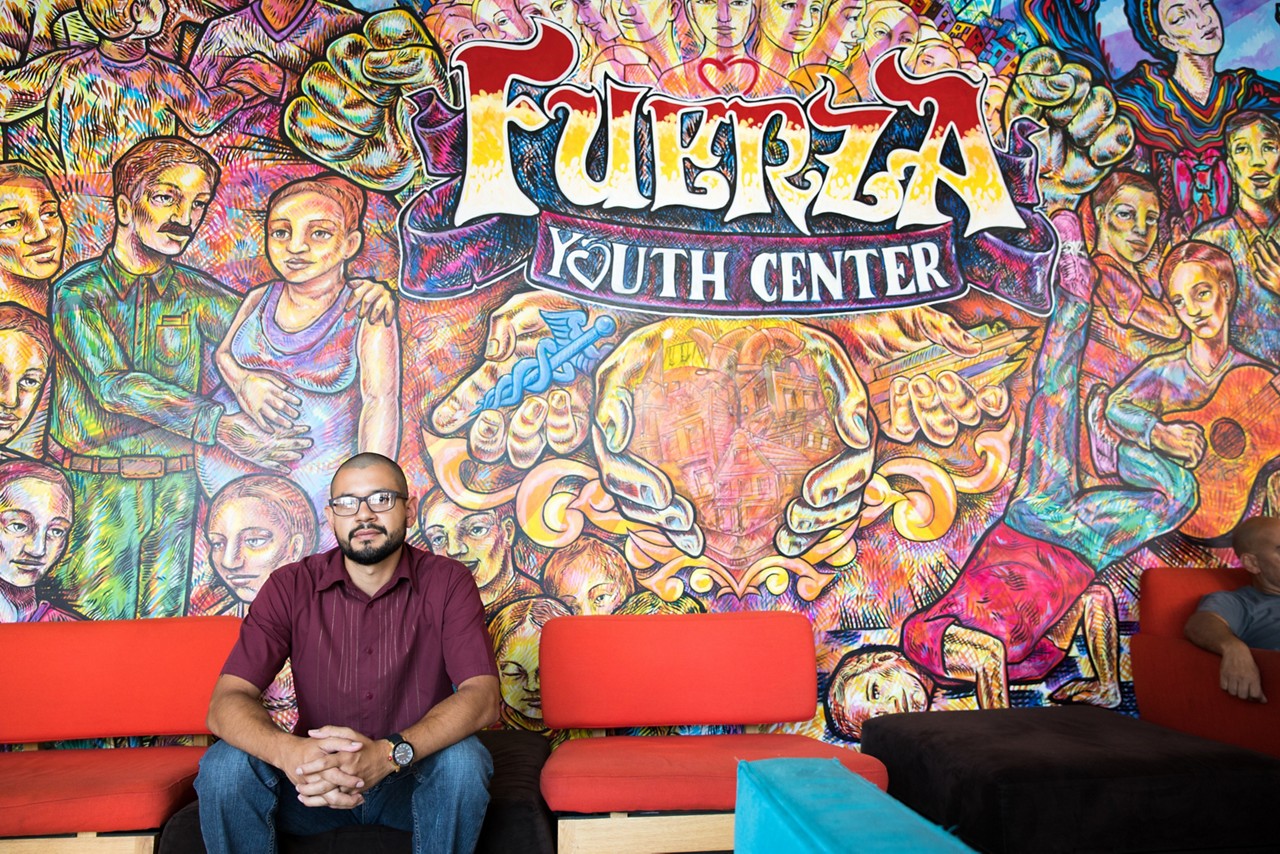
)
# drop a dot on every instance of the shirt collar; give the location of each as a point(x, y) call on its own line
point(334, 570)
point(122, 281)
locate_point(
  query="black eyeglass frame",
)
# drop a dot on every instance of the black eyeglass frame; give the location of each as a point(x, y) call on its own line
point(364, 499)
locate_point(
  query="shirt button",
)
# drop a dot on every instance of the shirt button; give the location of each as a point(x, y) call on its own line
point(369, 651)
point(369, 696)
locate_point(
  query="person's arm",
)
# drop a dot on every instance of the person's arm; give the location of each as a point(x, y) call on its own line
point(1129, 305)
point(264, 397)
point(1238, 674)
point(973, 656)
point(471, 708)
point(1136, 409)
point(25, 89)
point(90, 349)
point(378, 349)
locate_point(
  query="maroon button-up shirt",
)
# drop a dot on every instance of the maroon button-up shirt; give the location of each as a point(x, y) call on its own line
point(376, 664)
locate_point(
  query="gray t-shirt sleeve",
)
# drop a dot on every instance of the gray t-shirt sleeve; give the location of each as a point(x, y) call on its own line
point(1227, 605)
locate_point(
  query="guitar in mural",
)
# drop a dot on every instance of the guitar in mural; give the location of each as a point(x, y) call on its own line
point(1242, 435)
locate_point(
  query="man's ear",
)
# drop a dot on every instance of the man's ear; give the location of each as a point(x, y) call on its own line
point(1250, 563)
point(124, 210)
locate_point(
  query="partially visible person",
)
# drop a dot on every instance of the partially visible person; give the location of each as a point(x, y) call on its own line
point(254, 526)
point(295, 356)
point(885, 25)
point(516, 631)
point(588, 576)
point(1249, 233)
point(784, 32)
point(394, 674)
point(26, 358)
point(1231, 622)
point(35, 520)
point(648, 602)
point(31, 235)
point(483, 540)
point(723, 66)
point(133, 328)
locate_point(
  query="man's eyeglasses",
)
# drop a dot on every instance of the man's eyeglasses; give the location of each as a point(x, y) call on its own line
point(379, 502)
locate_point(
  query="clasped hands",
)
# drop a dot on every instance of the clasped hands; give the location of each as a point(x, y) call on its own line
point(334, 766)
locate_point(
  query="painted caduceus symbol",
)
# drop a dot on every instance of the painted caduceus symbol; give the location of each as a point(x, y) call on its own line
point(569, 351)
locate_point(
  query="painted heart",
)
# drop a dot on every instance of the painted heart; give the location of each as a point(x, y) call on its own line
point(732, 77)
point(587, 255)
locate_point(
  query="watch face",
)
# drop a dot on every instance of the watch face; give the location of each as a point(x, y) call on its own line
point(402, 753)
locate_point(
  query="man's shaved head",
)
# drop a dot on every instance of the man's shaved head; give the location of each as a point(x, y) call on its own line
point(1248, 537)
point(369, 459)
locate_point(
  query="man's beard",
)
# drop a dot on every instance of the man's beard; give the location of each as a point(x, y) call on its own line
point(370, 554)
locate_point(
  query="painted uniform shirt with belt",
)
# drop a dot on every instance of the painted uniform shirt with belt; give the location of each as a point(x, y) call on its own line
point(132, 354)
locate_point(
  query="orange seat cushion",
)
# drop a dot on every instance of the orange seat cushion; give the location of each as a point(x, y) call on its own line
point(679, 772)
point(44, 792)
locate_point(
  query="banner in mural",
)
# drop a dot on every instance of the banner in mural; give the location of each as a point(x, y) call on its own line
point(934, 321)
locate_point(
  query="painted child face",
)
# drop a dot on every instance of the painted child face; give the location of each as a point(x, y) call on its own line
point(587, 588)
point(1129, 223)
point(889, 686)
point(35, 519)
point(307, 238)
point(23, 367)
point(887, 29)
point(518, 675)
point(248, 540)
point(31, 229)
point(1199, 298)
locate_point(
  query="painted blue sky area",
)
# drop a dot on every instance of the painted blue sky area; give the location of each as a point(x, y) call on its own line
point(1253, 36)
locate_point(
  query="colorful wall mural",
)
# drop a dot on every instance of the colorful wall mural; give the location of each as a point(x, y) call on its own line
point(935, 321)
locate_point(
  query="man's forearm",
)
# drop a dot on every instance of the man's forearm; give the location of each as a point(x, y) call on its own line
point(243, 722)
point(472, 707)
point(1210, 632)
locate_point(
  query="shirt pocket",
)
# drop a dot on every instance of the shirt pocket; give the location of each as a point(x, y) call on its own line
point(175, 339)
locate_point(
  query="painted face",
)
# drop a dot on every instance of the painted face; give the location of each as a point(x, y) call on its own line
point(564, 13)
point(31, 230)
point(722, 23)
point(366, 536)
point(644, 20)
point(171, 208)
point(1129, 223)
point(455, 27)
point(499, 19)
point(596, 17)
point(890, 685)
point(480, 539)
point(889, 28)
point(790, 24)
point(587, 588)
point(306, 237)
point(933, 57)
point(35, 518)
point(24, 364)
point(1200, 300)
point(1190, 26)
point(518, 676)
point(843, 18)
point(248, 540)
point(1255, 162)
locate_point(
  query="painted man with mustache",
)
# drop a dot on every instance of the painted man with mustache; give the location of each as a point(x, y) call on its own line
point(133, 332)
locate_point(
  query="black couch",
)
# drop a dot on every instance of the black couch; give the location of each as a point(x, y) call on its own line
point(518, 818)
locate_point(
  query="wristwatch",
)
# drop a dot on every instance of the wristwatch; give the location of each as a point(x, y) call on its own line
point(401, 754)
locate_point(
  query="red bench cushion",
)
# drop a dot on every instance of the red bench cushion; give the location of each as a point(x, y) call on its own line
point(680, 772)
point(752, 667)
point(1169, 595)
point(67, 791)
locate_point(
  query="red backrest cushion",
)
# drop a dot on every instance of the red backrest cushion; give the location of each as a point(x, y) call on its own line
point(102, 678)
point(665, 670)
point(1169, 594)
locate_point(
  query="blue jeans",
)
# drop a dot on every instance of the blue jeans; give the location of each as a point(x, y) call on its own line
point(441, 800)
